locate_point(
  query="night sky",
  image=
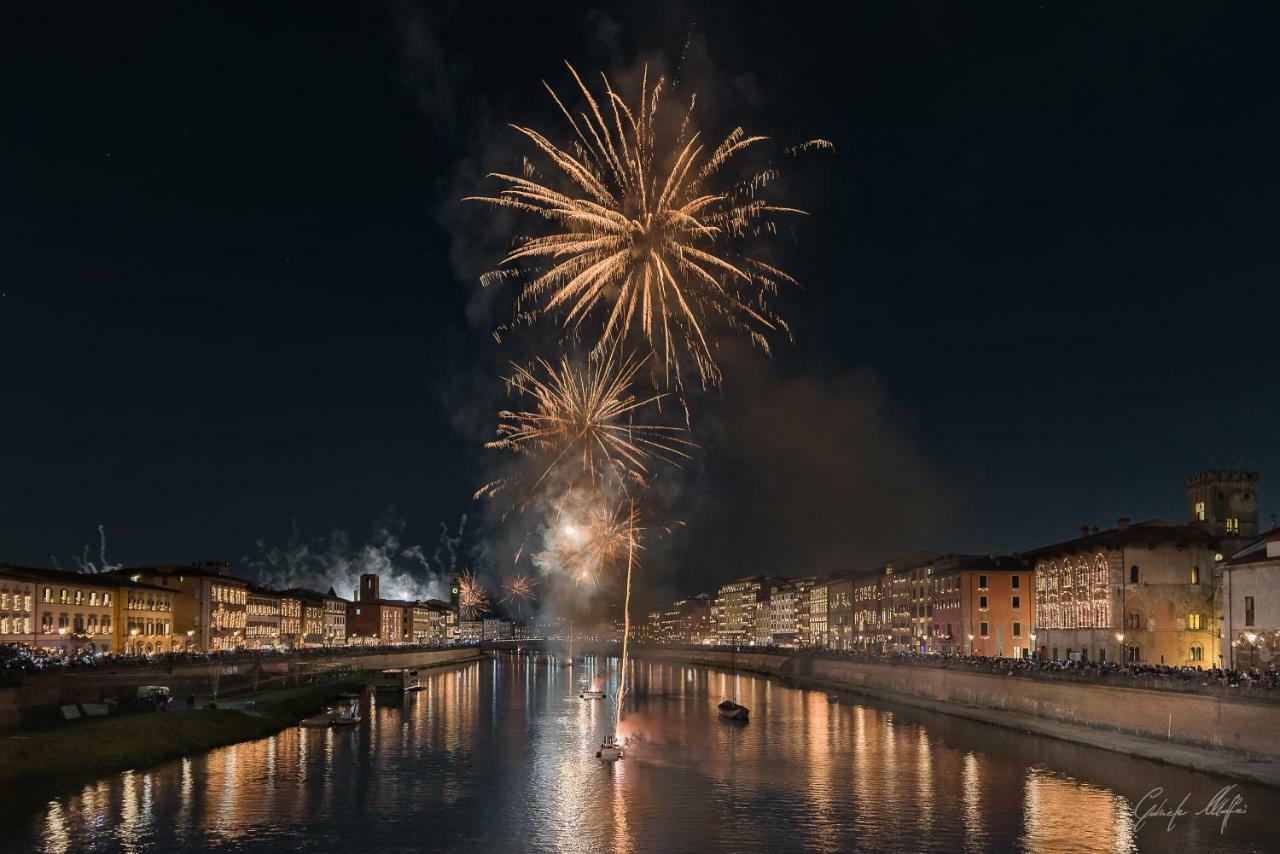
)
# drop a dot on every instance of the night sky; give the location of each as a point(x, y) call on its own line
point(239, 292)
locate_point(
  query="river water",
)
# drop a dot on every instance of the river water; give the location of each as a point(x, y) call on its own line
point(499, 756)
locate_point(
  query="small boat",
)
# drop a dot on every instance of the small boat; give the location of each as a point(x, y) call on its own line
point(610, 750)
point(833, 698)
point(731, 711)
point(347, 714)
point(591, 695)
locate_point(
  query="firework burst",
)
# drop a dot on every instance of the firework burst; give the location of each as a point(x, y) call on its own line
point(645, 236)
point(473, 600)
point(582, 420)
point(591, 536)
point(519, 591)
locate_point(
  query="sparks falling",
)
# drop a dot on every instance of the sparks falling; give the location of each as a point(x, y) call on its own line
point(472, 598)
point(582, 421)
point(591, 536)
point(647, 238)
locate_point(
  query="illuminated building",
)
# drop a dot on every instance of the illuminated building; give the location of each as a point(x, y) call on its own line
point(818, 614)
point(470, 631)
point(209, 603)
point(687, 621)
point(1251, 604)
point(70, 612)
point(17, 608)
point(372, 619)
point(981, 605)
point(144, 619)
point(335, 619)
point(738, 606)
point(302, 618)
point(444, 623)
point(1148, 592)
point(262, 618)
point(789, 612)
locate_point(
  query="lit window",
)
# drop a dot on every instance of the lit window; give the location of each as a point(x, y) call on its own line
point(1195, 575)
point(48, 594)
point(1233, 526)
point(1195, 622)
point(1197, 652)
point(1200, 511)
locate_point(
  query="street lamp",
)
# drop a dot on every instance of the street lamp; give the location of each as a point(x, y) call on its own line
point(1252, 638)
point(971, 643)
point(1120, 640)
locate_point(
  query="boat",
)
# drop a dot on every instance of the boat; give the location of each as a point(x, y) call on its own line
point(397, 679)
point(346, 714)
point(610, 750)
point(591, 695)
point(732, 710)
point(833, 698)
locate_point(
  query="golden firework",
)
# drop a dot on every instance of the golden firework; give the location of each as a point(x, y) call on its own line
point(519, 590)
point(644, 233)
point(582, 420)
point(591, 535)
point(472, 598)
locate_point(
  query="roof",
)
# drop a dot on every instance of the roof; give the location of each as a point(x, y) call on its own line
point(198, 570)
point(1255, 552)
point(65, 576)
point(990, 563)
point(1150, 531)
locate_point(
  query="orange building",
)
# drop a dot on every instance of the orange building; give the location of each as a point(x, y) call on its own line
point(981, 605)
point(209, 604)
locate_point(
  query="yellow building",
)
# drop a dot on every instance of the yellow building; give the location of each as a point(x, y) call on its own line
point(144, 619)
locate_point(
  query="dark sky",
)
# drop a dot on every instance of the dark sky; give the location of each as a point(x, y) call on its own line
point(1040, 275)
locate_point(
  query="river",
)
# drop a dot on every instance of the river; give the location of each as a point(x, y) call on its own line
point(499, 756)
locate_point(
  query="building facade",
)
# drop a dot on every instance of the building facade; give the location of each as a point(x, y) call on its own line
point(17, 608)
point(144, 619)
point(1251, 605)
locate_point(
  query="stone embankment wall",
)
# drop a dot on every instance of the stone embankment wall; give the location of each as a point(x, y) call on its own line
point(42, 693)
point(1242, 725)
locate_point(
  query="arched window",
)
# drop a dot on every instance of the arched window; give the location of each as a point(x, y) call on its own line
point(1134, 654)
point(1133, 574)
point(1134, 620)
point(1197, 652)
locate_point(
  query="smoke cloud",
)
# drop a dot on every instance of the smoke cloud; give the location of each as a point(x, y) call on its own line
point(405, 571)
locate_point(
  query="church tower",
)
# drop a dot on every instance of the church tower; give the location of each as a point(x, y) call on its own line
point(1224, 503)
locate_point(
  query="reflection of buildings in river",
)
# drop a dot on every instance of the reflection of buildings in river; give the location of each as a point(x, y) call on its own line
point(186, 788)
point(57, 835)
point(924, 781)
point(1062, 814)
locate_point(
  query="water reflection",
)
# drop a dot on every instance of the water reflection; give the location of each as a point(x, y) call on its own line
point(501, 757)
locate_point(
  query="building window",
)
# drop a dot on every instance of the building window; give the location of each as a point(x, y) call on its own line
point(982, 629)
point(62, 596)
point(982, 603)
point(1197, 652)
point(1134, 654)
point(106, 599)
point(982, 582)
point(1015, 582)
point(1195, 575)
point(1195, 622)
point(48, 594)
point(1233, 526)
point(1133, 574)
point(1134, 620)
point(1017, 602)
point(1200, 511)
point(1248, 610)
point(1017, 630)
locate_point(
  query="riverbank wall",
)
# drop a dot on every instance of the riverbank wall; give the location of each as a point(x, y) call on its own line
point(1236, 734)
point(40, 696)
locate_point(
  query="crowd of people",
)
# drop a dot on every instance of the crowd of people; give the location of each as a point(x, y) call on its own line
point(1135, 674)
point(19, 661)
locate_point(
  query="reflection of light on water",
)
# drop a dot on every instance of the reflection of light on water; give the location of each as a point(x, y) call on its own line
point(924, 781)
point(1062, 814)
point(186, 786)
point(972, 794)
point(57, 839)
point(128, 832)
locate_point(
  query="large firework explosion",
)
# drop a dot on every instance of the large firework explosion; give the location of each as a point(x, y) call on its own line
point(582, 423)
point(473, 600)
point(645, 234)
point(518, 590)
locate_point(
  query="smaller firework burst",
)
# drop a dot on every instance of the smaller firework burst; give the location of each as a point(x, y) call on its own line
point(588, 541)
point(519, 591)
point(472, 598)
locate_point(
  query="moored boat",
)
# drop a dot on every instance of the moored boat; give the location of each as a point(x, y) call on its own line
point(610, 750)
point(591, 695)
point(731, 711)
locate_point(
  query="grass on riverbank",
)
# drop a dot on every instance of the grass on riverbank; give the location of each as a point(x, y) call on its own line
point(102, 745)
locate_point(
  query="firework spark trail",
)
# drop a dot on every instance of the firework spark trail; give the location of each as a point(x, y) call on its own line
point(582, 420)
point(472, 598)
point(626, 617)
point(645, 234)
